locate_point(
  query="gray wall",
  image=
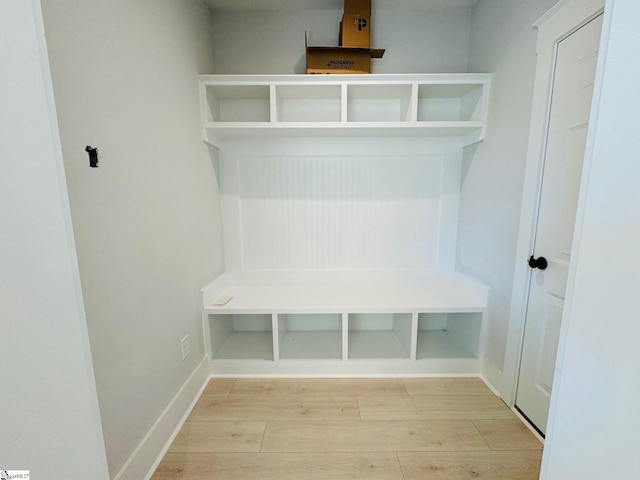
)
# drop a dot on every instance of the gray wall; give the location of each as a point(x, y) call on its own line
point(503, 42)
point(147, 221)
point(49, 416)
point(426, 41)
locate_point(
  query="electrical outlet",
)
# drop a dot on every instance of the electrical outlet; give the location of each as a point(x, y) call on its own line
point(186, 349)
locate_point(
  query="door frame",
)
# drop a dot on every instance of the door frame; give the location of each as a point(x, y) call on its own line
point(555, 25)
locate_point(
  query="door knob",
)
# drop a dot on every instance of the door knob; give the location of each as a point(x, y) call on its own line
point(539, 262)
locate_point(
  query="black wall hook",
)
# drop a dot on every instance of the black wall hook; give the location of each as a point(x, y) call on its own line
point(93, 156)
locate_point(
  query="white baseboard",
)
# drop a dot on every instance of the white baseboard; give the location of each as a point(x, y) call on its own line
point(148, 454)
point(490, 386)
point(359, 375)
point(499, 381)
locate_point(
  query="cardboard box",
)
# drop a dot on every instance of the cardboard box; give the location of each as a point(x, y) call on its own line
point(340, 60)
point(355, 27)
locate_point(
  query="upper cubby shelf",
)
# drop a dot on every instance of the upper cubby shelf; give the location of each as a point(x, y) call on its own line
point(451, 105)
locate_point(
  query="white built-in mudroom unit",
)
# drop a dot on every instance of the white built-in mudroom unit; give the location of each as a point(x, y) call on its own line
point(340, 198)
point(180, 201)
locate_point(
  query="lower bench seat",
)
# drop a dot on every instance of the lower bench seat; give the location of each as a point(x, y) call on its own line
point(347, 328)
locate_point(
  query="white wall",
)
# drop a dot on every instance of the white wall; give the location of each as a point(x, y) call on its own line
point(427, 41)
point(340, 205)
point(594, 417)
point(503, 41)
point(147, 221)
point(49, 417)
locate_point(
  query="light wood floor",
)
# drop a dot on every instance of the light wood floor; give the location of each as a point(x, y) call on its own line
point(336, 429)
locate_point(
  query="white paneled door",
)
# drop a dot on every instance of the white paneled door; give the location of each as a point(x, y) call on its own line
point(567, 131)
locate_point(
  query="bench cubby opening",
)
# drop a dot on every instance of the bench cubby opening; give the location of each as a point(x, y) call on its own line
point(379, 335)
point(310, 336)
point(241, 336)
point(448, 335)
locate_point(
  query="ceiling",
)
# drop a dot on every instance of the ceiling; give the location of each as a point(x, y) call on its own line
point(292, 5)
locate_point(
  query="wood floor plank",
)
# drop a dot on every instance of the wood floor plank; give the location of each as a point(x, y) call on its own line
point(369, 436)
point(446, 386)
point(507, 434)
point(443, 407)
point(238, 409)
point(287, 387)
point(219, 386)
point(278, 466)
point(434, 428)
point(494, 465)
point(219, 437)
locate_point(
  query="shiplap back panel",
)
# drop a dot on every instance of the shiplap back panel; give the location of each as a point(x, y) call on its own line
point(338, 212)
